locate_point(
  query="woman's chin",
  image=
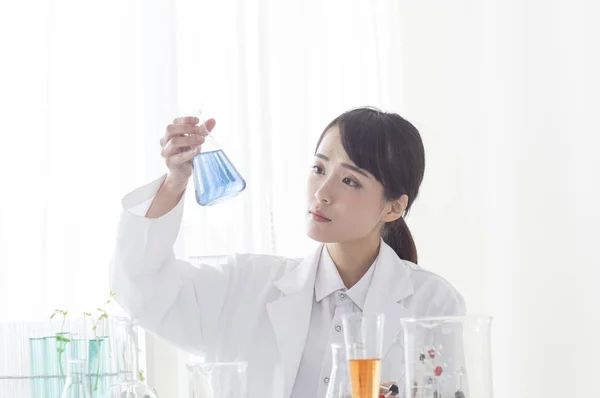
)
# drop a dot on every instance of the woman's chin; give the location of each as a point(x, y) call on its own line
point(319, 235)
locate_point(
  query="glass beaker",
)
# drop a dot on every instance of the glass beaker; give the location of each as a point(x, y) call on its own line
point(76, 387)
point(215, 178)
point(126, 351)
point(447, 357)
point(339, 379)
point(218, 380)
point(363, 335)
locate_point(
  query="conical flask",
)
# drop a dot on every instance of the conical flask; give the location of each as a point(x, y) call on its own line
point(215, 178)
point(218, 380)
point(339, 379)
point(126, 351)
point(76, 386)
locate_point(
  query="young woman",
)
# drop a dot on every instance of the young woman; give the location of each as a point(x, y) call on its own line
point(277, 314)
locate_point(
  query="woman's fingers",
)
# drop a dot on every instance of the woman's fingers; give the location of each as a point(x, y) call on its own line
point(177, 160)
point(180, 144)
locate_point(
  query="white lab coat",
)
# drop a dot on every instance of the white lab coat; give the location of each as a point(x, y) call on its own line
point(256, 308)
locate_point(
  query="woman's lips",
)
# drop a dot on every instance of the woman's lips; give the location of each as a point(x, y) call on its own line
point(318, 216)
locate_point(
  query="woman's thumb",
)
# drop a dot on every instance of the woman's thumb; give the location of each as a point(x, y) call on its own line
point(210, 124)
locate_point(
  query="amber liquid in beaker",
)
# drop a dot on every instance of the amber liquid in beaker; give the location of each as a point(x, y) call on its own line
point(365, 375)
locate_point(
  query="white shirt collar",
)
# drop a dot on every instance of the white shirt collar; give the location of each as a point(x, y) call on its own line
point(328, 280)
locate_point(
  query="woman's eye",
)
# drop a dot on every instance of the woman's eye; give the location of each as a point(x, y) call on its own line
point(317, 169)
point(350, 182)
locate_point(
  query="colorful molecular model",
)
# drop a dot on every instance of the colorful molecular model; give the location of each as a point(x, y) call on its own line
point(432, 373)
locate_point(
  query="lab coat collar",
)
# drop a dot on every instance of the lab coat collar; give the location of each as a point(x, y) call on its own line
point(328, 278)
point(391, 281)
point(391, 284)
point(328, 281)
point(302, 276)
point(290, 315)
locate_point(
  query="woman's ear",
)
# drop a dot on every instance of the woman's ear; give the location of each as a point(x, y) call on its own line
point(396, 210)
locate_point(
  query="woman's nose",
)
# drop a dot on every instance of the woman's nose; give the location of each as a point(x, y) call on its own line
point(323, 193)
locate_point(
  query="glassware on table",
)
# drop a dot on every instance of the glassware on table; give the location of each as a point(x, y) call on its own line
point(99, 364)
point(76, 386)
point(37, 352)
point(80, 330)
point(363, 336)
point(98, 349)
point(79, 351)
point(447, 357)
point(126, 350)
point(57, 352)
point(215, 178)
point(218, 380)
point(339, 378)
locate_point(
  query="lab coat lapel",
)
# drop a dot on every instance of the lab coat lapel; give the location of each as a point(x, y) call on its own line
point(290, 314)
point(390, 285)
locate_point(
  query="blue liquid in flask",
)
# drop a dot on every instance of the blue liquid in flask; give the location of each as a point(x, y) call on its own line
point(215, 178)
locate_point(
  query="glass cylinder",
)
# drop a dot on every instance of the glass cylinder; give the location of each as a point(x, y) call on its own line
point(98, 365)
point(215, 177)
point(79, 340)
point(339, 378)
point(363, 335)
point(217, 380)
point(447, 357)
point(79, 348)
point(37, 351)
point(76, 386)
point(126, 351)
point(56, 362)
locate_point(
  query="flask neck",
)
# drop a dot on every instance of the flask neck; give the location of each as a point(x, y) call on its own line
point(126, 341)
point(210, 144)
point(76, 371)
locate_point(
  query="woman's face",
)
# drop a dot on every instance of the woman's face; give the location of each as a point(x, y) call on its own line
point(345, 203)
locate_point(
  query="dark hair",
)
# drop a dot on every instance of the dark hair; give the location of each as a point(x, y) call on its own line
point(390, 148)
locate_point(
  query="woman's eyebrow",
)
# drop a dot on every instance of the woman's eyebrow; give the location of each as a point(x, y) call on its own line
point(346, 165)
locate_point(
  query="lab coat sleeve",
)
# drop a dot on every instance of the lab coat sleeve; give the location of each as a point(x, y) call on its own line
point(453, 305)
point(170, 297)
point(441, 297)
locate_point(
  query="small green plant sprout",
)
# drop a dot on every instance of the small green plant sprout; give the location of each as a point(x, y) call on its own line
point(61, 340)
point(102, 314)
point(64, 314)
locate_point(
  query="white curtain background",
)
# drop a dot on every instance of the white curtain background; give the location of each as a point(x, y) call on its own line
point(504, 94)
point(274, 74)
point(85, 87)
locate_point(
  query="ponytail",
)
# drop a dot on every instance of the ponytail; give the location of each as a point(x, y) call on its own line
point(397, 235)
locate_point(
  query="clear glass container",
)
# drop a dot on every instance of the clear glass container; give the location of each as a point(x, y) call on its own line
point(363, 336)
point(215, 178)
point(37, 352)
point(76, 386)
point(126, 350)
point(57, 347)
point(218, 380)
point(339, 379)
point(99, 364)
point(447, 357)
